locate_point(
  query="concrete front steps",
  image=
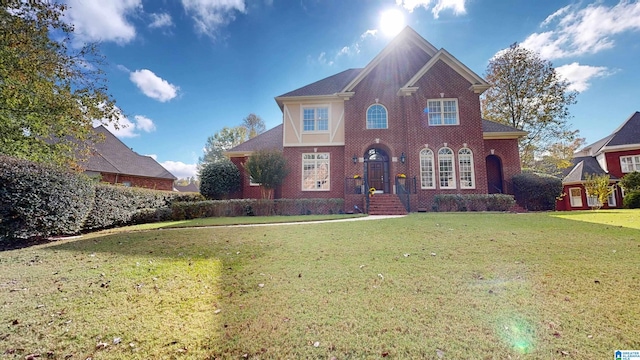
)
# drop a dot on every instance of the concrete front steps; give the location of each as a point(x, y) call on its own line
point(386, 204)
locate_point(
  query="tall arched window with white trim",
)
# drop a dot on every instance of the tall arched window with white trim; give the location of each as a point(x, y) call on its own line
point(377, 117)
point(467, 173)
point(446, 168)
point(427, 173)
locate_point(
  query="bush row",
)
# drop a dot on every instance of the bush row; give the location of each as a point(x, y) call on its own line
point(257, 207)
point(473, 202)
point(38, 200)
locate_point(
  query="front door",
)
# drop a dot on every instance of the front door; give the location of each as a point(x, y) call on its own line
point(494, 175)
point(376, 175)
point(377, 169)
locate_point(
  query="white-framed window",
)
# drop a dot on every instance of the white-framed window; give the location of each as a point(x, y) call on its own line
point(315, 172)
point(467, 174)
point(377, 117)
point(427, 173)
point(443, 111)
point(592, 200)
point(611, 201)
point(252, 182)
point(126, 183)
point(446, 170)
point(315, 118)
point(575, 196)
point(630, 163)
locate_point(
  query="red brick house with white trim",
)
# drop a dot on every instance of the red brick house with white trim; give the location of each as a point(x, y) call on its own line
point(413, 110)
point(115, 163)
point(615, 155)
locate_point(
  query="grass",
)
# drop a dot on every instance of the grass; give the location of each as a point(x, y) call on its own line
point(479, 285)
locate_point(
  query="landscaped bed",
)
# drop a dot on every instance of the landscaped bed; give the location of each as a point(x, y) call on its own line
point(435, 285)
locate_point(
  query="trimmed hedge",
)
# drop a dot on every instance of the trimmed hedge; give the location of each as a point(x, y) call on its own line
point(39, 200)
point(473, 202)
point(537, 192)
point(257, 207)
point(631, 200)
point(117, 205)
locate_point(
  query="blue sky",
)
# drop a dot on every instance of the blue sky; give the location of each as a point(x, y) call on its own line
point(182, 70)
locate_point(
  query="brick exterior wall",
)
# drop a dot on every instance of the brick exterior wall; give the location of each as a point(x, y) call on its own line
point(138, 181)
point(408, 132)
point(507, 151)
point(292, 187)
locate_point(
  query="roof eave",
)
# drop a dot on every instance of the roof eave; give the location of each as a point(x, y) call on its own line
point(503, 135)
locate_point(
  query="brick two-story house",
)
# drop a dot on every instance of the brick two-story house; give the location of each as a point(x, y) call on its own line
point(615, 155)
point(413, 110)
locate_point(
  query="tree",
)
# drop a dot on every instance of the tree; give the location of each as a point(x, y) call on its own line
point(267, 168)
point(631, 181)
point(222, 141)
point(50, 91)
point(528, 94)
point(558, 157)
point(254, 125)
point(219, 179)
point(598, 186)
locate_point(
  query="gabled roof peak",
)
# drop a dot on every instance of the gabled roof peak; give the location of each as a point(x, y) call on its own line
point(407, 34)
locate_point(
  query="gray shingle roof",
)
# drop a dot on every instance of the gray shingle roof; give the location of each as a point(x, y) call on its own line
point(270, 139)
point(113, 156)
point(628, 133)
point(327, 86)
point(582, 166)
point(491, 126)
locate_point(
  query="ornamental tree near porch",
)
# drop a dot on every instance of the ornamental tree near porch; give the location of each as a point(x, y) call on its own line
point(267, 168)
point(598, 186)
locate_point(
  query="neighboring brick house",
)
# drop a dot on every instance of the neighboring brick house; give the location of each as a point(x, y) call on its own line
point(616, 155)
point(413, 110)
point(115, 163)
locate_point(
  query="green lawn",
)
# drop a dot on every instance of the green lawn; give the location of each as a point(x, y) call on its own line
point(456, 285)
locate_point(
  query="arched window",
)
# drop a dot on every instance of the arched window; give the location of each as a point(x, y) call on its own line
point(376, 117)
point(427, 173)
point(446, 170)
point(467, 173)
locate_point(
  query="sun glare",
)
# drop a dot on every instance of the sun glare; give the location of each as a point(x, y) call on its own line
point(391, 22)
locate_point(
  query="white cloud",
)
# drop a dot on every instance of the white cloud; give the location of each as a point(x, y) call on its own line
point(144, 123)
point(103, 20)
point(153, 86)
point(123, 68)
point(588, 30)
point(210, 15)
point(458, 6)
point(180, 169)
point(160, 20)
point(349, 50)
point(580, 75)
point(127, 128)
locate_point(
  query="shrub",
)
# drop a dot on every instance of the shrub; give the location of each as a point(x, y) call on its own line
point(38, 200)
point(219, 179)
point(535, 191)
point(631, 200)
point(257, 207)
point(631, 181)
point(116, 205)
point(473, 202)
